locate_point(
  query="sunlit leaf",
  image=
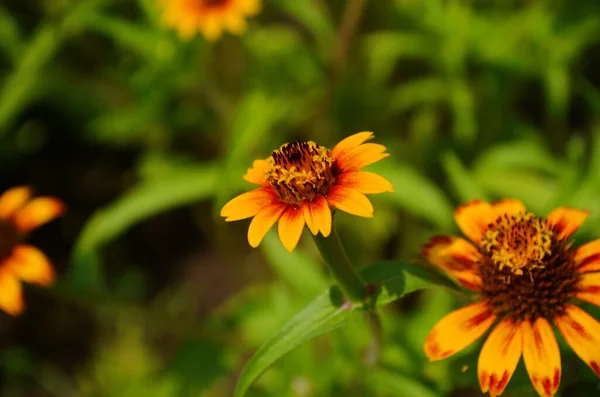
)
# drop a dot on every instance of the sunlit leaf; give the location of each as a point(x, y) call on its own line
point(461, 181)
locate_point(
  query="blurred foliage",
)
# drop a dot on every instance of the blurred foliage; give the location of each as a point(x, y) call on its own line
point(146, 137)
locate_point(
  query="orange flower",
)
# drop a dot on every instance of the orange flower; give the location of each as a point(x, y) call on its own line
point(210, 17)
point(19, 214)
point(301, 181)
point(527, 277)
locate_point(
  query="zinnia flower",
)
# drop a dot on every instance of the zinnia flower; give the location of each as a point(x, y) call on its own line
point(19, 214)
point(527, 277)
point(209, 17)
point(301, 181)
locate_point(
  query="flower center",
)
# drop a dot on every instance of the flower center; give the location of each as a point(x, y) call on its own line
point(9, 238)
point(202, 5)
point(301, 171)
point(526, 271)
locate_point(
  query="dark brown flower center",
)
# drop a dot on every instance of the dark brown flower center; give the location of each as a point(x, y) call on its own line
point(9, 238)
point(526, 271)
point(301, 171)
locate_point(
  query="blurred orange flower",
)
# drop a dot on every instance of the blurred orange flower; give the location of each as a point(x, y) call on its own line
point(527, 277)
point(301, 181)
point(19, 214)
point(209, 17)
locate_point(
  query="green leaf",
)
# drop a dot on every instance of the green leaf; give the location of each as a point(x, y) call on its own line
point(179, 187)
point(461, 181)
point(329, 311)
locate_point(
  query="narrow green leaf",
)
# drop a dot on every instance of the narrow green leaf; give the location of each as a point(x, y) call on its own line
point(328, 311)
point(461, 181)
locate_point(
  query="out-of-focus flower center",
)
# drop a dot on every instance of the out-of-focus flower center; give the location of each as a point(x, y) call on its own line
point(9, 238)
point(202, 5)
point(518, 242)
point(301, 171)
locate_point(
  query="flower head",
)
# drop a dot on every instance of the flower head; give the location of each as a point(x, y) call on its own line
point(19, 214)
point(527, 277)
point(301, 181)
point(209, 17)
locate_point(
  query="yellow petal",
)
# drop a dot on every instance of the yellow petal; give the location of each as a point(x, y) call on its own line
point(13, 199)
point(350, 143)
point(588, 288)
point(508, 207)
point(262, 222)
point(258, 173)
point(587, 257)
point(308, 218)
point(248, 204)
point(11, 294)
point(473, 219)
point(321, 213)
point(499, 357)
point(30, 264)
point(456, 256)
point(567, 220)
point(38, 212)
point(541, 356)
point(249, 7)
point(290, 227)
point(350, 200)
point(582, 333)
point(365, 182)
point(235, 23)
point(361, 156)
point(458, 330)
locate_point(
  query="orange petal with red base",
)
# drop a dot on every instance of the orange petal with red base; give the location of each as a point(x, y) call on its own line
point(587, 257)
point(588, 288)
point(30, 264)
point(258, 173)
point(508, 207)
point(582, 333)
point(350, 143)
point(473, 219)
point(499, 357)
point(458, 330)
point(567, 220)
point(11, 294)
point(13, 199)
point(321, 215)
point(350, 200)
point(541, 356)
point(365, 182)
point(262, 222)
point(308, 218)
point(290, 227)
point(360, 157)
point(38, 212)
point(456, 256)
point(248, 204)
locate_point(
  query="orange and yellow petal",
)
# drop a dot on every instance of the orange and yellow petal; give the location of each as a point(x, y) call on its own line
point(262, 222)
point(11, 293)
point(456, 256)
point(247, 204)
point(508, 207)
point(13, 199)
point(587, 257)
point(258, 173)
point(350, 143)
point(499, 357)
point(567, 220)
point(37, 212)
point(365, 182)
point(291, 224)
point(588, 288)
point(321, 215)
point(473, 219)
point(308, 218)
point(360, 157)
point(542, 356)
point(582, 333)
point(458, 330)
point(30, 264)
point(350, 200)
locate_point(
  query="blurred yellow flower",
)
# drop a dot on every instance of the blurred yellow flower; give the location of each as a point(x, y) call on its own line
point(19, 214)
point(209, 17)
point(527, 276)
point(301, 181)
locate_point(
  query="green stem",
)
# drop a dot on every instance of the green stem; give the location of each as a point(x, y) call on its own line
point(335, 256)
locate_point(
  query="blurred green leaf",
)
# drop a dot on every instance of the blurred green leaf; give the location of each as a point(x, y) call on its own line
point(460, 179)
point(394, 383)
point(11, 36)
point(517, 154)
point(328, 311)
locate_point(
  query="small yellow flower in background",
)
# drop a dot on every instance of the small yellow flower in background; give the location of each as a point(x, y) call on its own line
point(209, 17)
point(527, 277)
point(301, 181)
point(19, 214)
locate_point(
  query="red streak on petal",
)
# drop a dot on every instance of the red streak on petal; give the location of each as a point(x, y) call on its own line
point(580, 329)
point(493, 380)
point(589, 259)
point(478, 319)
point(556, 380)
point(594, 289)
point(502, 382)
point(433, 242)
point(484, 379)
point(595, 366)
point(547, 385)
